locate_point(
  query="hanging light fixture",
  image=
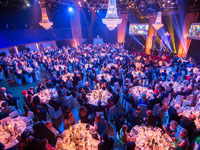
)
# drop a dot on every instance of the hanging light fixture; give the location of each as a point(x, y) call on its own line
point(158, 23)
point(111, 20)
point(45, 23)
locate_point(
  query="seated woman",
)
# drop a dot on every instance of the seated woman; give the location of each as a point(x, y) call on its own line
point(7, 109)
point(123, 135)
point(69, 119)
point(143, 99)
point(84, 116)
point(171, 129)
point(53, 129)
point(100, 125)
point(181, 142)
point(45, 145)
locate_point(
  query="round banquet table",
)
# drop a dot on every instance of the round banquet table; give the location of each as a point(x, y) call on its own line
point(78, 137)
point(111, 65)
point(60, 66)
point(88, 66)
point(97, 95)
point(176, 86)
point(136, 73)
point(28, 69)
point(149, 138)
point(137, 91)
point(46, 94)
point(187, 111)
point(64, 77)
point(107, 77)
point(12, 128)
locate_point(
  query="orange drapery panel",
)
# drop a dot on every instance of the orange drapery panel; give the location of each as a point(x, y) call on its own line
point(76, 28)
point(185, 43)
point(150, 35)
point(122, 28)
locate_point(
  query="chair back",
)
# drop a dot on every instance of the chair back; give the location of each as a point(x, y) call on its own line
point(14, 114)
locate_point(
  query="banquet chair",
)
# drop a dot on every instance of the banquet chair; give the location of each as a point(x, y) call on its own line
point(1, 75)
point(163, 78)
point(37, 75)
point(116, 85)
point(119, 107)
point(179, 99)
point(79, 84)
point(143, 110)
point(42, 68)
point(14, 114)
point(28, 79)
point(30, 114)
point(111, 113)
point(166, 101)
point(18, 80)
point(189, 101)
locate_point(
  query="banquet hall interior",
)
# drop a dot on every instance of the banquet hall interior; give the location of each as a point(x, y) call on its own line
point(99, 75)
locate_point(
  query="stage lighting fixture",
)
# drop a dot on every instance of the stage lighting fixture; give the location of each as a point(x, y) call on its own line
point(70, 9)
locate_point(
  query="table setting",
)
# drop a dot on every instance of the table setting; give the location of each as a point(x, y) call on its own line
point(12, 128)
point(138, 65)
point(176, 86)
point(187, 111)
point(149, 138)
point(57, 67)
point(98, 95)
point(106, 76)
point(88, 66)
point(137, 92)
point(46, 94)
point(108, 66)
point(70, 75)
point(137, 73)
point(80, 136)
point(195, 69)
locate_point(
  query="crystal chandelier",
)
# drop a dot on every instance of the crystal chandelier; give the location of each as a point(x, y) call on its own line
point(111, 20)
point(45, 23)
point(158, 23)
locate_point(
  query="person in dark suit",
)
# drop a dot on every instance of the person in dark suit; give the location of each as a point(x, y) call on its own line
point(107, 142)
point(31, 91)
point(55, 103)
point(76, 79)
point(188, 123)
point(103, 80)
point(40, 87)
point(40, 131)
point(172, 112)
point(113, 80)
point(4, 93)
point(87, 88)
point(152, 120)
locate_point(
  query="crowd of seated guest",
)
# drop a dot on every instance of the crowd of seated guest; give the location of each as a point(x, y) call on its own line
point(153, 111)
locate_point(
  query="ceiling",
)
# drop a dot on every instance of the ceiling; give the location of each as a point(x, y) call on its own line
point(124, 6)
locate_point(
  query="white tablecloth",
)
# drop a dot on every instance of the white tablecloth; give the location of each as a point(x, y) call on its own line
point(45, 95)
point(11, 129)
point(148, 138)
point(97, 95)
point(78, 137)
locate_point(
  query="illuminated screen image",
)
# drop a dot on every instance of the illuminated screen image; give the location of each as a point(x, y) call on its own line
point(194, 32)
point(138, 29)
